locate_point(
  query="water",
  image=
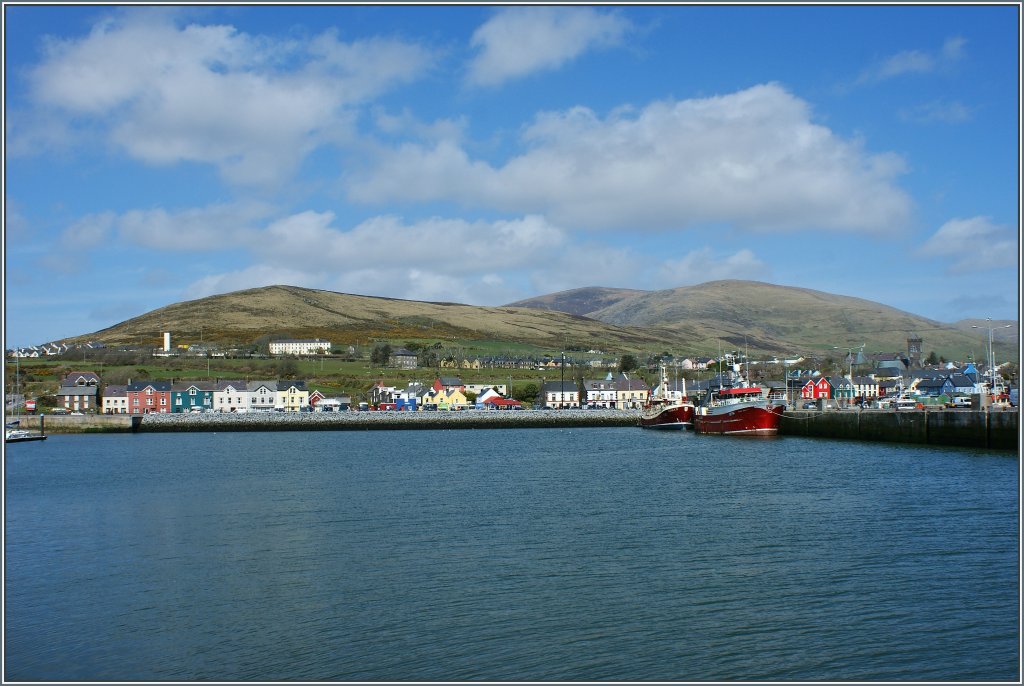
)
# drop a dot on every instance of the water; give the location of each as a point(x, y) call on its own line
point(582, 554)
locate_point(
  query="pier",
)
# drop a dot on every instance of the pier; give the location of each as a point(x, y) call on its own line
point(997, 429)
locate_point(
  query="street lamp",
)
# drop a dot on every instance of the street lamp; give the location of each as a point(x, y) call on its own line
point(849, 351)
point(991, 360)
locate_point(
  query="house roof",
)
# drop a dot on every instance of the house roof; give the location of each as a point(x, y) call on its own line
point(159, 386)
point(115, 391)
point(77, 390)
point(198, 385)
point(257, 385)
point(559, 387)
point(224, 385)
point(78, 378)
point(502, 402)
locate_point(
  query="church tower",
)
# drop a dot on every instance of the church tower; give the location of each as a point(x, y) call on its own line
point(914, 350)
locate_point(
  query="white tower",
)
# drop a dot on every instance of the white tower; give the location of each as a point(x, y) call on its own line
point(167, 341)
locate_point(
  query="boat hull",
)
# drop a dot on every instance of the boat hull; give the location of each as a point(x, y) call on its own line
point(739, 421)
point(21, 438)
point(673, 417)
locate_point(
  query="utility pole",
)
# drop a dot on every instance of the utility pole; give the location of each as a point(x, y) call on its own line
point(561, 391)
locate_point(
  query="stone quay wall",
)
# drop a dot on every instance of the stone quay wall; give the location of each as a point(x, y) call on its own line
point(965, 428)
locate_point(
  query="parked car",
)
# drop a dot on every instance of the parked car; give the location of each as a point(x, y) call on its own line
point(810, 405)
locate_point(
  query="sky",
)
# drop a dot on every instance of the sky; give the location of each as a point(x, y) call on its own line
point(490, 153)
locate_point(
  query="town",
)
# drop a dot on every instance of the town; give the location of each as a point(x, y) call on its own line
point(880, 380)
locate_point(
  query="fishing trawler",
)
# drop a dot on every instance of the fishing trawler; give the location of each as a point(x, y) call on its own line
point(667, 410)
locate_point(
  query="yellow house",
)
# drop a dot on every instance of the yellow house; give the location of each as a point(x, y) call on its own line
point(292, 396)
point(452, 399)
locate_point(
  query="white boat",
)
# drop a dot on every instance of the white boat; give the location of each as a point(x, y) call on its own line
point(14, 434)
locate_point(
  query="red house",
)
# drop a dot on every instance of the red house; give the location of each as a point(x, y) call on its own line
point(502, 404)
point(812, 390)
point(149, 397)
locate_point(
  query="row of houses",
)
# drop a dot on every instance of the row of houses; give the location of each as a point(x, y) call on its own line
point(165, 397)
point(446, 393)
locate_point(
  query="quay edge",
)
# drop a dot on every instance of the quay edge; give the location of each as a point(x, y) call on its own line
point(999, 430)
point(963, 428)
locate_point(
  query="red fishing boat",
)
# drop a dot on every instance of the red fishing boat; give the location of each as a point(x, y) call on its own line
point(741, 411)
point(667, 410)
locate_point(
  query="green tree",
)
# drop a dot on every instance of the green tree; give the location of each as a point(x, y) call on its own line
point(526, 393)
point(287, 368)
point(932, 358)
point(628, 363)
point(381, 354)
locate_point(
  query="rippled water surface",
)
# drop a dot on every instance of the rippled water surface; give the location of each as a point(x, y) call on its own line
point(544, 554)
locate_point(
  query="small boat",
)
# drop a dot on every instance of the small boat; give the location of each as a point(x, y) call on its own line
point(739, 411)
point(14, 434)
point(665, 412)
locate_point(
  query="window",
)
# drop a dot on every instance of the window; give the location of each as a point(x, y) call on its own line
point(192, 391)
point(149, 391)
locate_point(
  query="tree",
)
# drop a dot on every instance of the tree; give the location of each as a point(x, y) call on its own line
point(581, 388)
point(381, 354)
point(932, 358)
point(287, 368)
point(526, 393)
point(628, 363)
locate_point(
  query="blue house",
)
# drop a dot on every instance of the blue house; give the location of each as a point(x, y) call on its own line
point(970, 370)
point(191, 395)
point(935, 387)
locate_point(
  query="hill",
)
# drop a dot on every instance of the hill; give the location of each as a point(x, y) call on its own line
point(288, 311)
point(781, 319)
point(702, 319)
point(579, 301)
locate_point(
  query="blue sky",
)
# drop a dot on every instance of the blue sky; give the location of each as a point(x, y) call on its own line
point(487, 154)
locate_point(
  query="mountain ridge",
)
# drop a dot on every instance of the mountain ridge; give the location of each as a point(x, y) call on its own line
point(698, 319)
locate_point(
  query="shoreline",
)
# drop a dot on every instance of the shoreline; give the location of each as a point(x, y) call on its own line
point(962, 428)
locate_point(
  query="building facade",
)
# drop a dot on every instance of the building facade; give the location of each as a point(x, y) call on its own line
point(295, 346)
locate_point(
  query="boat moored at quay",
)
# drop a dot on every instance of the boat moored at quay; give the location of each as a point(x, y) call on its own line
point(739, 411)
point(667, 410)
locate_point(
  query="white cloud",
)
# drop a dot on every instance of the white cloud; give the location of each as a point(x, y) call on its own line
point(973, 244)
point(254, 276)
point(196, 229)
point(87, 232)
point(311, 239)
point(752, 158)
point(251, 106)
point(704, 264)
point(519, 41)
point(916, 62)
point(939, 111)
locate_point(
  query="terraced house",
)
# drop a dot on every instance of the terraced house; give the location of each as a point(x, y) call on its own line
point(148, 397)
point(79, 391)
point(192, 396)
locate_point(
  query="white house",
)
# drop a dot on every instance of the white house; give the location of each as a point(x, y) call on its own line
point(262, 396)
point(295, 346)
point(231, 396)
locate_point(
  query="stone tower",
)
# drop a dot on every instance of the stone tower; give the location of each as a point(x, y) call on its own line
point(914, 350)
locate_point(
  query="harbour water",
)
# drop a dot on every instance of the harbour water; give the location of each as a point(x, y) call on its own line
point(518, 554)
